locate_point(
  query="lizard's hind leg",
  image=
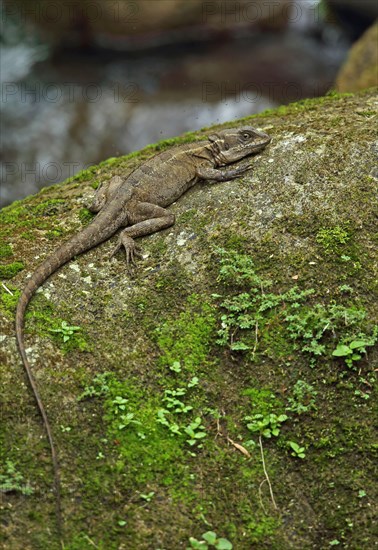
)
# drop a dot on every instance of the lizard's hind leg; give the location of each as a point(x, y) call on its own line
point(104, 193)
point(145, 219)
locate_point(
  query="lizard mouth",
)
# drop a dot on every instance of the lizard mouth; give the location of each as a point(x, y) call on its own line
point(244, 150)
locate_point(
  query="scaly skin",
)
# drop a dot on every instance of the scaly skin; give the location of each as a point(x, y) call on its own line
point(139, 203)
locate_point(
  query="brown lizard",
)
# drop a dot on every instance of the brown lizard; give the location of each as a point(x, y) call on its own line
point(138, 202)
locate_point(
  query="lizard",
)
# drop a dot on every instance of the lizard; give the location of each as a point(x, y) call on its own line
point(139, 204)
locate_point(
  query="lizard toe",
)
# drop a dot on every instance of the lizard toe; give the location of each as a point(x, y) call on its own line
point(132, 251)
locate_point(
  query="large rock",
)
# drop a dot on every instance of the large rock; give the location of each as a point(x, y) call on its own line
point(152, 409)
point(360, 70)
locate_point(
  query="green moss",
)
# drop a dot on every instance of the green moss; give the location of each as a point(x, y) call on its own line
point(158, 249)
point(187, 338)
point(11, 479)
point(12, 213)
point(263, 401)
point(10, 270)
point(27, 235)
point(332, 239)
point(19, 216)
point(8, 300)
point(274, 324)
point(165, 143)
point(299, 106)
point(85, 216)
point(187, 216)
point(5, 250)
point(259, 530)
point(83, 175)
point(54, 234)
point(48, 208)
point(143, 440)
point(95, 184)
point(83, 541)
point(46, 324)
point(366, 114)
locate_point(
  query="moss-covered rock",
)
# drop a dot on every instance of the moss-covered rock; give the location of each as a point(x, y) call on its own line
point(225, 384)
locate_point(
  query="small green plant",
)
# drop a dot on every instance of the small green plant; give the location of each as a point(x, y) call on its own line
point(195, 431)
point(99, 387)
point(126, 420)
point(303, 399)
point(247, 318)
point(173, 427)
point(175, 405)
point(209, 539)
point(267, 425)
point(353, 351)
point(172, 401)
point(176, 367)
point(65, 429)
point(362, 394)
point(247, 311)
point(147, 496)
point(121, 523)
point(119, 404)
point(297, 450)
point(309, 327)
point(119, 409)
point(66, 331)
point(12, 480)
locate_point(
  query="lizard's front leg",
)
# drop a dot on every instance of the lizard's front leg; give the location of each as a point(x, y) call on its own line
point(144, 218)
point(222, 174)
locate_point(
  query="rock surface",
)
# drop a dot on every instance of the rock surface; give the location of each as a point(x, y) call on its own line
point(153, 402)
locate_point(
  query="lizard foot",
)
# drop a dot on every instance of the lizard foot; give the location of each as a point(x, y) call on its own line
point(244, 168)
point(131, 249)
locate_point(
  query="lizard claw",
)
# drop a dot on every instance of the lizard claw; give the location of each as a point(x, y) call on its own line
point(131, 249)
point(245, 168)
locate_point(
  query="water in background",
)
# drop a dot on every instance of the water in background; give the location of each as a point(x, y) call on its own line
point(63, 112)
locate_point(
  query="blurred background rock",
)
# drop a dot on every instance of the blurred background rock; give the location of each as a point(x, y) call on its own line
point(360, 69)
point(82, 81)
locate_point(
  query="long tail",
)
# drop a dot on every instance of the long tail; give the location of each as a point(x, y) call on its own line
point(103, 226)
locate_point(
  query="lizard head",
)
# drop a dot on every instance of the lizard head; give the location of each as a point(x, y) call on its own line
point(233, 144)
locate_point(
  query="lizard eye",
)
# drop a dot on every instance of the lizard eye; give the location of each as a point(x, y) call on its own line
point(246, 136)
point(226, 146)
